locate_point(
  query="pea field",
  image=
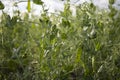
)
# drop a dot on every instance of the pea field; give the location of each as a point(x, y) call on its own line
point(63, 46)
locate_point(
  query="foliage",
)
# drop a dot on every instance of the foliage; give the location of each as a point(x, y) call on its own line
point(61, 47)
point(1, 5)
point(39, 2)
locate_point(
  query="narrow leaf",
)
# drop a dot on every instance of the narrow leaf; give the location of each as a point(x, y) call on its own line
point(39, 2)
point(29, 6)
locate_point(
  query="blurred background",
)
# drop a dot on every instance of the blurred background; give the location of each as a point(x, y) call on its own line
point(51, 5)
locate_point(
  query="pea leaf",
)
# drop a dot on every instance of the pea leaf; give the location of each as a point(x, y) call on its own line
point(111, 1)
point(79, 54)
point(64, 36)
point(1, 5)
point(28, 6)
point(39, 2)
point(14, 20)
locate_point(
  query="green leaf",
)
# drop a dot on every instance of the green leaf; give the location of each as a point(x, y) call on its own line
point(14, 20)
point(39, 2)
point(66, 22)
point(28, 6)
point(64, 36)
point(8, 21)
point(52, 36)
point(113, 12)
point(1, 5)
point(93, 63)
point(78, 56)
point(93, 6)
point(98, 45)
point(79, 60)
point(111, 1)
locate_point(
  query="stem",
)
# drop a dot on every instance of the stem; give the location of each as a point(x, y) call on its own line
point(2, 30)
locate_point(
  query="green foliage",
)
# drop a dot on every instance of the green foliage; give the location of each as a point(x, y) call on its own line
point(39, 2)
point(111, 1)
point(1, 5)
point(29, 6)
point(61, 47)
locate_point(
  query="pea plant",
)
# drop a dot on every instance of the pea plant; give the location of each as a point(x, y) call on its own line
point(63, 46)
